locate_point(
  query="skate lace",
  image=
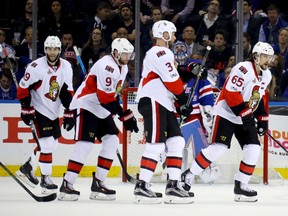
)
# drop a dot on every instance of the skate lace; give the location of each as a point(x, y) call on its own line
point(189, 178)
point(246, 188)
point(48, 180)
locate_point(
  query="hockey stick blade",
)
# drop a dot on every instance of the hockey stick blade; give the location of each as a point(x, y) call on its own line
point(277, 142)
point(47, 198)
point(128, 177)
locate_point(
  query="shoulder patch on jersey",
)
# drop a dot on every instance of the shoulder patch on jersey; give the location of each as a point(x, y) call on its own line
point(109, 69)
point(243, 69)
point(161, 53)
point(34, 64)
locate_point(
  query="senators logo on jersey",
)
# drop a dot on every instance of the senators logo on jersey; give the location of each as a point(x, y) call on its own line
point(53, 89)
point(255, 98)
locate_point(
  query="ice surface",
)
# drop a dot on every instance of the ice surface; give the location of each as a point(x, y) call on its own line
point(210, 200)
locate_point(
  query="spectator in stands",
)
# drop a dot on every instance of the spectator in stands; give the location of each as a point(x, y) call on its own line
point(10, 51)
point(282, 46)
point(56, 21)
point(247, 47)
point(25, 48)
point(121, 32)
point(284, 84)
point(269, 30)
point(207, 24)
point(20, 25)
point(8, 89)
point(146, 8)
point(188, 36)
point(251, 24)
point(276, 68)
point(93, 47)
point(99, 20)
point(126, 20)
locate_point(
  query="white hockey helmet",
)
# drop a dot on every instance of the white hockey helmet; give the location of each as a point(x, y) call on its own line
point(122, 45)
point(52, 41)
point(263, 48)
point(163, 26)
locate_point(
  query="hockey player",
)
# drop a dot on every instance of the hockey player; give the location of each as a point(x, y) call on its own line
point(96, 103)
point(240, 100)
point(159, 85)
point(47, 83)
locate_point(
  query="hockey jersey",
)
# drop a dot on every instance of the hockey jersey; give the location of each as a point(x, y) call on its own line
point(44, 83)
point(101, 86)
point(243, 84)
point(203, 94)
point(160, 79)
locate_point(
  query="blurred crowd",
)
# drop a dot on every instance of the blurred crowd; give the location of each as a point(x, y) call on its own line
point(91, 25)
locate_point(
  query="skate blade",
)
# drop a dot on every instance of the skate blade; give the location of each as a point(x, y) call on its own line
point(242, 198)
point(101, 196)
point(25, 179)
point(146, 200)
point(178, 200)
point(46, 191)
point(67, 197)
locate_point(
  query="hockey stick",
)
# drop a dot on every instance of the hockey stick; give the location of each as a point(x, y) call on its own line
point(208, 48)
point(128, 177)
point(47, 198)
point(32, 126)
point(79, 60)
point(277, 142)
point(10, 66)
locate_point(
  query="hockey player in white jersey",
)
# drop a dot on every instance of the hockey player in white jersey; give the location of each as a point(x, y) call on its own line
point(240, 101)
point(47, 83)
point(96, 103)
point(159, 86)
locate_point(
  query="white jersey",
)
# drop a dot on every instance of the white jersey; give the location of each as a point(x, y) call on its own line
point(44, 83)
point(160, 79)
point(243, 84)
point(101, 86)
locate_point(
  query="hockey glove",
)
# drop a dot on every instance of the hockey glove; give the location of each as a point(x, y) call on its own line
point(129, 121)
point(27, 114)
point(247, 119)
point(182, 109)
point(262, 125)
point(68, 120)
point(195, 69)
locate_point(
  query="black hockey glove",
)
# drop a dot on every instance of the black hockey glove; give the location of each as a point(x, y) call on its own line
point(247, 119)
point(27, 114)
point(195, 69)
point(129, 121)
point(262, 125)
point(68, 120)
point(181, 108)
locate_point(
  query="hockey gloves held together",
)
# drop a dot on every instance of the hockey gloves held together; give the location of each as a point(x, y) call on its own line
point(68, 120)
point(182, 109)
point(27, 114)
point(247, 119)
point(129, 121)
point(262, 125)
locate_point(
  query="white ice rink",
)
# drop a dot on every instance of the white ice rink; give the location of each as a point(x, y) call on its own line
point(210, 200)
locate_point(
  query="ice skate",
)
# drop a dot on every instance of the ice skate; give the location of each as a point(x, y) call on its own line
point(143, 194)
point(175, 194)
point(67, 192)
point(47, 185)
point(100, 191)
point(26, 174)
point(187, 178)
point(243, 193)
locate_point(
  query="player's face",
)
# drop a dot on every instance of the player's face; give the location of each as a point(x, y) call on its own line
point(125, 57)
point(264, 60)
point(52, 53)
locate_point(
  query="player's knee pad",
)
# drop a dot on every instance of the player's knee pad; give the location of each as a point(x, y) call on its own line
point(214, 151)
point(109, 144)
point(251, 153)
point(48, 144)
point(155, 147)
point(175, 146)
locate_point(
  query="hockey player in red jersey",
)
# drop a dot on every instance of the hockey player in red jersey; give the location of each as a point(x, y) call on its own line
point(47, 83)
point(240, 101)
point(96, 103)
point(159, 86)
